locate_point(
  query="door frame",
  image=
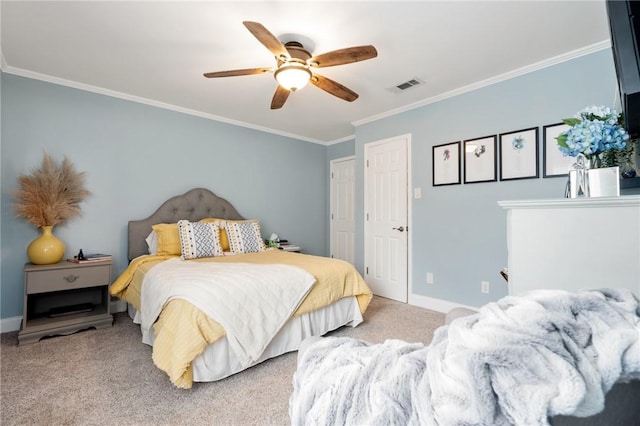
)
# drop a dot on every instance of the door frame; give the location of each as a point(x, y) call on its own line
point(407, 137)
point(331, 236)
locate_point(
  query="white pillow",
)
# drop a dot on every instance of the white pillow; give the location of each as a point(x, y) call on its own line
point(152, 242)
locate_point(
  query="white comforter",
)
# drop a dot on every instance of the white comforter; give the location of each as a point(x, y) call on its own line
point(252, 302)
point(518, 361)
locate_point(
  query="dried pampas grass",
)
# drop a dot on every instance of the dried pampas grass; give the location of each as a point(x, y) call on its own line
point(50, 195)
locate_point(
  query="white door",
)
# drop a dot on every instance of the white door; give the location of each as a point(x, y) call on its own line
point(342, 206)
point(386, 217)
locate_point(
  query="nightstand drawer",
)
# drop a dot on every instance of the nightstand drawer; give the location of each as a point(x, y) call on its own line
point(68, 278)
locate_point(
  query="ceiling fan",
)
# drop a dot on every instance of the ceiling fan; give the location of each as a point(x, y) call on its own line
point(294, 66)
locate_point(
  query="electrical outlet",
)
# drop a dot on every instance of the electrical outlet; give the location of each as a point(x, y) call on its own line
point(484, 286)
point(429, 277)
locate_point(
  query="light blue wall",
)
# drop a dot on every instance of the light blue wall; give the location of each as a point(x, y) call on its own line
point(135, 157)
point(459, 232)
point(341, 150)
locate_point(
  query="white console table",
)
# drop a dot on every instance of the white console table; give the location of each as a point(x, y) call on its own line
point(573, 244)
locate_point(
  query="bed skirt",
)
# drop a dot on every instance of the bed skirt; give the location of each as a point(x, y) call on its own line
point(218, 360)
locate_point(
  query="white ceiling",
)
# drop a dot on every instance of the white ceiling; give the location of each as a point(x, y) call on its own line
point(157, 51)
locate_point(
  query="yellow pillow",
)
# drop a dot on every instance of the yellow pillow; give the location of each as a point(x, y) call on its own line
point(168, 238)
point(224, 237)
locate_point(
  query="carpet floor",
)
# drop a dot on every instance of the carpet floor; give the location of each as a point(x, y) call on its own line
point(107, 377)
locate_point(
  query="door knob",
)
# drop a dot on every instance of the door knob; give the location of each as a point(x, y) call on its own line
point(400, 228)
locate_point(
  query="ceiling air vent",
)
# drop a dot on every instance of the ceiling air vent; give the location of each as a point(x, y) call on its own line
point(403, 87)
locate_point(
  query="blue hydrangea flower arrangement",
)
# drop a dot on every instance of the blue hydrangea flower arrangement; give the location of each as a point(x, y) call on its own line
point(594, 130)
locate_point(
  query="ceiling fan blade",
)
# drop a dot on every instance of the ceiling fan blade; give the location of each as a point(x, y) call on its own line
point(234, 73)
point(280, 97)
point(334, 88)
point(270, 41)
point(344, 56)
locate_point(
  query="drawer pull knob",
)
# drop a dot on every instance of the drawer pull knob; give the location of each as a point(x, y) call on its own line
point(71, 278)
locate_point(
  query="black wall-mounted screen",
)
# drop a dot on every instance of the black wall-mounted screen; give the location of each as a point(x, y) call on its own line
point(624, 24)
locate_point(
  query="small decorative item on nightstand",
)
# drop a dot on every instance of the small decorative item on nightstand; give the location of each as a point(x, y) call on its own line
point(90, 258)
point(273, 241)
point(286, 246)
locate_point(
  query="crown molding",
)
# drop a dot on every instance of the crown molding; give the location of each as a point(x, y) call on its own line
point(138, 99)
point(490, 81)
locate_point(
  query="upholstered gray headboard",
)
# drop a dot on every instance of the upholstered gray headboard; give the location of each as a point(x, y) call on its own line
point(193, 205)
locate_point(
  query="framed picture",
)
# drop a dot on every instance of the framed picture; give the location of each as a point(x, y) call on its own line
point(480, 160)
point(555, 163)
point(519, 154)
point(446, 164)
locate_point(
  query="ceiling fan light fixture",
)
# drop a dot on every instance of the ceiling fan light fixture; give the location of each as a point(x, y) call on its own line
point(294, 64)
point(292, 76)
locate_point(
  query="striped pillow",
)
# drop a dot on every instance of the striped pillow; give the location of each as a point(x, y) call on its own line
point(199, 239)
point(245, 237)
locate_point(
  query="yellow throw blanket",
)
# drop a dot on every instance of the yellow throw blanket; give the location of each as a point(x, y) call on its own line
point(183, 331)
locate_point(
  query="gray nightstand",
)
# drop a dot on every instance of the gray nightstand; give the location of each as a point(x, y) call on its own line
point(64, 298)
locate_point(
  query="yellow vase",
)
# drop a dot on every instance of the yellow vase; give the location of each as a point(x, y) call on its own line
point(46, 249)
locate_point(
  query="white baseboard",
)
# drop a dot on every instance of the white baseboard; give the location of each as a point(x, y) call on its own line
point(10, 324)
point(437, 305)
point(13, 323)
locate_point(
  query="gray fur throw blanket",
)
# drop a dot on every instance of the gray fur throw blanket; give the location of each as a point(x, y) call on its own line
point(517, 361)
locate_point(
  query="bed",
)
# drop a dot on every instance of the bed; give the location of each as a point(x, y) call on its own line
point(315, 294)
